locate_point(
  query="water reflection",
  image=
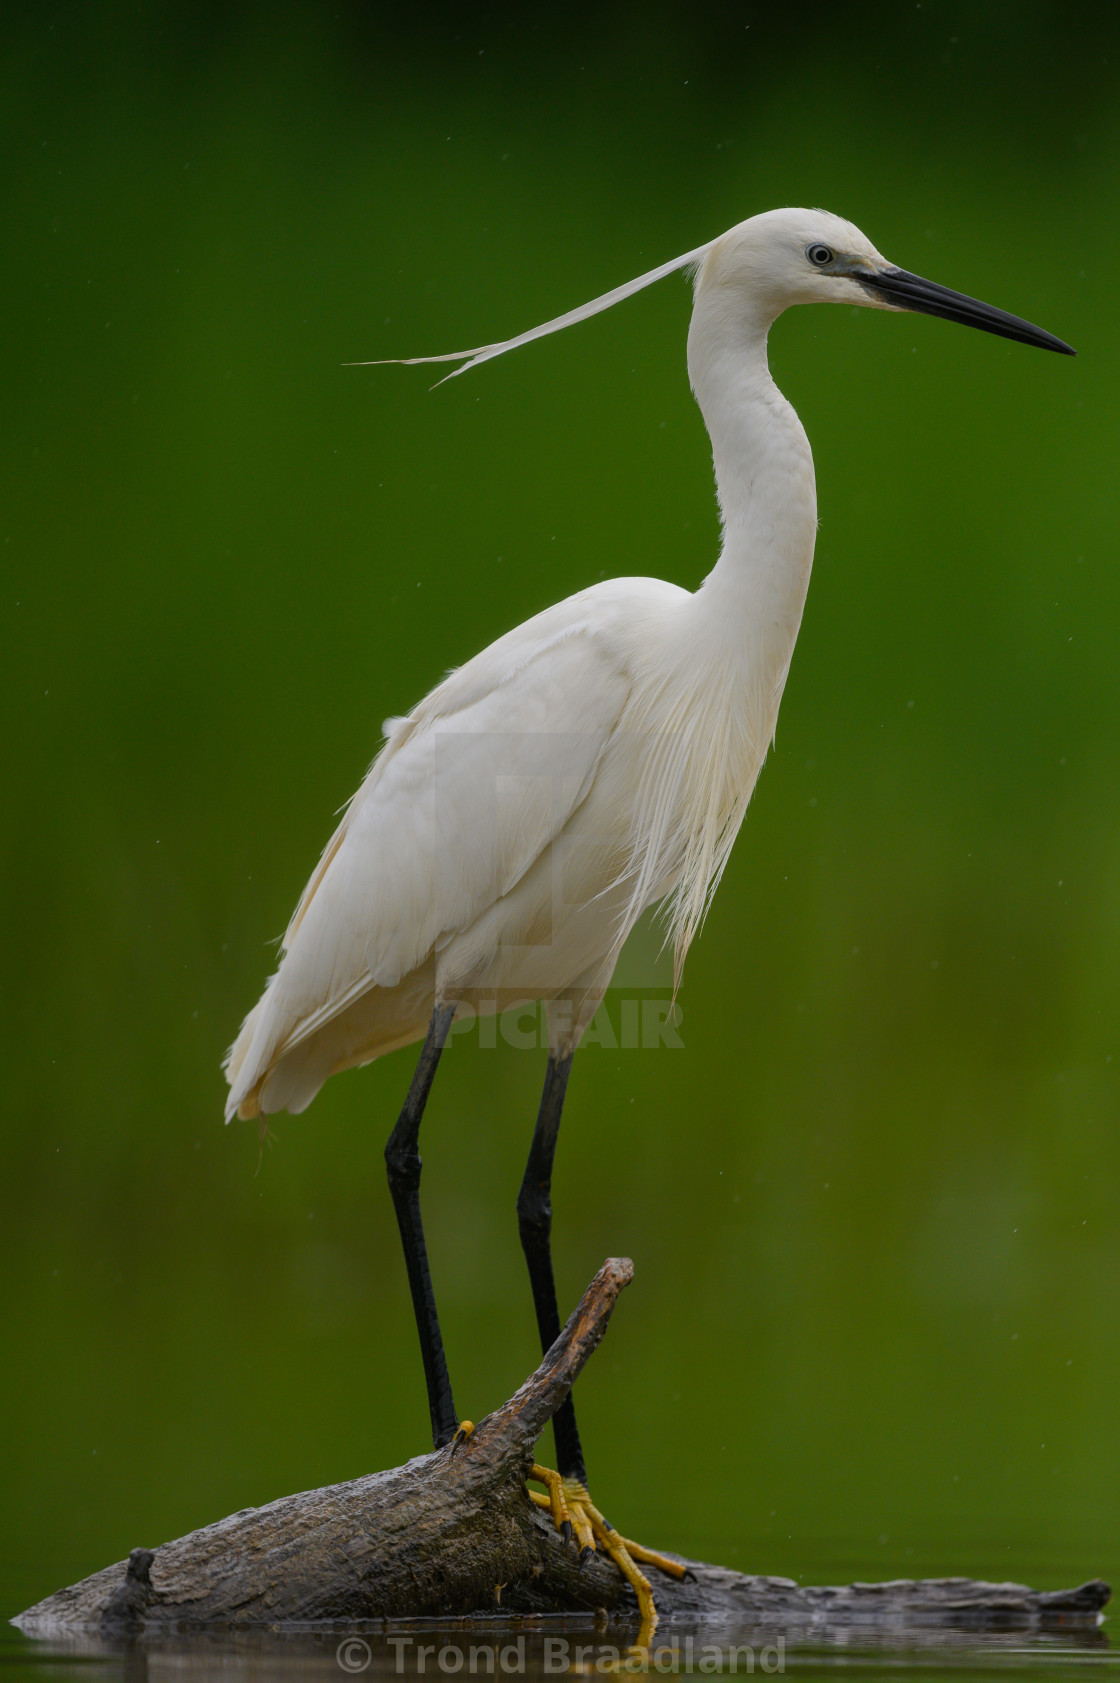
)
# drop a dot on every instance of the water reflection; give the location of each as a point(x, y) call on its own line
point(543, 1648)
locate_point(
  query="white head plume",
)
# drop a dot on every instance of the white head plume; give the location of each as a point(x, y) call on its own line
point(483, 353)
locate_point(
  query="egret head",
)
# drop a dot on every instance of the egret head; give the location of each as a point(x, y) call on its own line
point(785, 257)
point(782, 257)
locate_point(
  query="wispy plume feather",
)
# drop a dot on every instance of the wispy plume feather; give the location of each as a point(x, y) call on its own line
point(483, 353)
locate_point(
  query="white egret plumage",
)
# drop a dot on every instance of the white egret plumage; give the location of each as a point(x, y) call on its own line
point(593, 761)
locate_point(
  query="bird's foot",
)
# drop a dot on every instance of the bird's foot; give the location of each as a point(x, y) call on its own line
point(573, 1512)
point(466, 1429)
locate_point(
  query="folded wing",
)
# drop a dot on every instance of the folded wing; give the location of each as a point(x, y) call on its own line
point(468, 792)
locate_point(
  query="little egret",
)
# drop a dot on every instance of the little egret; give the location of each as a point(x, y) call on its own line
point(591, 762)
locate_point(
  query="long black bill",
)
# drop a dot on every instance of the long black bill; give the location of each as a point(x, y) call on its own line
point(911, 292)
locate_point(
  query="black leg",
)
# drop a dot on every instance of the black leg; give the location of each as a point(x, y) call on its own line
point(403, 1162)
point(534, 1218)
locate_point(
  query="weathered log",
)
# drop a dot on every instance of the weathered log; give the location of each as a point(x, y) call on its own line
point(454, 1534)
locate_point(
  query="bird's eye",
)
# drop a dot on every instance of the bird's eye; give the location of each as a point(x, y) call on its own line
point(820, 255)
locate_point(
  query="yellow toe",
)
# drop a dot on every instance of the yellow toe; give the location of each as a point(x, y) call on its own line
point(572, 1510)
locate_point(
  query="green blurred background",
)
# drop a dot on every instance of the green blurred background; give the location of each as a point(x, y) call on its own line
point(872, 1203)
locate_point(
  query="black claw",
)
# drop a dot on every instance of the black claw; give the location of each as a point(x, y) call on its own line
point(585, 1554)
point(463, 1434)
point(689, 1576)
point(566, 1532)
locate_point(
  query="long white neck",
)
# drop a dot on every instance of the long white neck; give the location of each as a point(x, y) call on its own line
point(764, 476)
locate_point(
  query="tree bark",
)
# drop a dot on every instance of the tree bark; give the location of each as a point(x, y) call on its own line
point(454, 1534)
